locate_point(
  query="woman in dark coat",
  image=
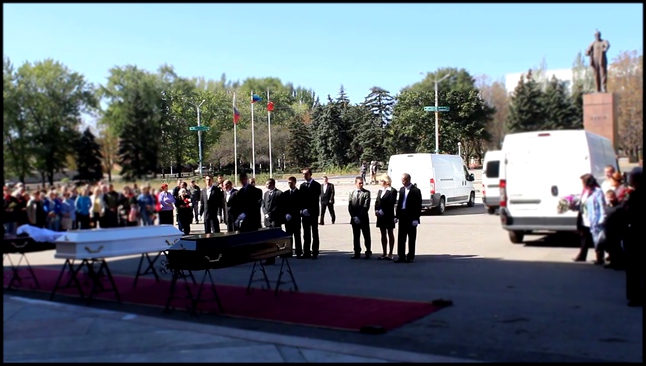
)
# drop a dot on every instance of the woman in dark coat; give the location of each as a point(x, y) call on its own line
point(385, 212)
point(184, 206)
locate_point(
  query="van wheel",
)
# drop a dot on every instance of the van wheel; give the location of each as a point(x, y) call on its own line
point(439, 210)
point(516, 237)
point(491, 210)
point(472, 200)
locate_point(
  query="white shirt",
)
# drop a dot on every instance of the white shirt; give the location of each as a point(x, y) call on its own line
point(208, 192)
point(324, 187)
point(607, 186)
point(406, 190)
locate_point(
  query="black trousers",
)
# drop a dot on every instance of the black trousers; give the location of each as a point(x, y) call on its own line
point(166, 217)
point(587, 242)
point(330, 207)
point(293, 228)
point(310, 235)
point(357, 230)
point(211, 225)
point(634, 260)
point(406, 230)
point(83, 221)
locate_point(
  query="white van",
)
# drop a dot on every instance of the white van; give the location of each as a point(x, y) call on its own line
point(443, 179)
point(541, 168)
point(491, 175)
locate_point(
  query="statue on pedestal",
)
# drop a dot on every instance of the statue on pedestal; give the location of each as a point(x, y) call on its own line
point(599, 62)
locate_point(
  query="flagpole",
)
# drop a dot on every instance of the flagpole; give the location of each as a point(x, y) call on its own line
point(235, 143)
point(253, 144)
point(271, 163)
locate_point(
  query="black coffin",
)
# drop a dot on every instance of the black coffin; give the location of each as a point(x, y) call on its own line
point(222, 250)
point(20, 244)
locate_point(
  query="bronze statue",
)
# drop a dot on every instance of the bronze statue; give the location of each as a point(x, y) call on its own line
point(599, 62)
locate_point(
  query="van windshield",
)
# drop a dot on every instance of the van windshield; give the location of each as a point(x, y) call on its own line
point(492, 170)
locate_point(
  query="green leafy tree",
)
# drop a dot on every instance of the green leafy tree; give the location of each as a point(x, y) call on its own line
point(329, 129)
point(582, 83)
point(17, 149)
point(526, 111)
point(368, 135)
point(412, 129)
point(88, 158)
point(53, 98)
point(558, 110)
point(299, 149)
point(459, 80)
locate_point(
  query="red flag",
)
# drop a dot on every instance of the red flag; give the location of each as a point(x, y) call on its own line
point(270, 106)
point(236, 115)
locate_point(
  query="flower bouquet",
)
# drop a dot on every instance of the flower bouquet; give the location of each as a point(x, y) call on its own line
point(568, 203)
point(187, 202)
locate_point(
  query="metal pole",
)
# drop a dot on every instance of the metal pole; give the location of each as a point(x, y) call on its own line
point(271, 163)
point(437, 125)
point(235, 145)
point(199, 136)
point(253, 144)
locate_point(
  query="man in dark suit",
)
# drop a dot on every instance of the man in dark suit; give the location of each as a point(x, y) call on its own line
point(291, 207)
point(327, 200)
point(196, 196)
point(271, 209)
point(246, 206)
point(212, 200)
point(358, 208)
point(229, 194)
point(310, 196)
point(409, 209)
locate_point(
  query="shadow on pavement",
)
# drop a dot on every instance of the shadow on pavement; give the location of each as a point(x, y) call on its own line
point(504, 310)
point(556, 240)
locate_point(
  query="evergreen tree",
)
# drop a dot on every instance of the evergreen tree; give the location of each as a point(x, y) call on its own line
point(329, 130)
point(299, 144)
point(368, 136)
point(525, 112)
point(381, 104)
point(88, 158)
point(138, 144)
point(558, 109)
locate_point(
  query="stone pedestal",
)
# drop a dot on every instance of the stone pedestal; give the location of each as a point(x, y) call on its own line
point(600, 115)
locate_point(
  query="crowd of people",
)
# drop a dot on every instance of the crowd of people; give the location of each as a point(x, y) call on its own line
point(610, 220)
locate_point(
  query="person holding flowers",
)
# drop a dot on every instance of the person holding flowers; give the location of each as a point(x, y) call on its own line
point(184, 205)
point(590, 219)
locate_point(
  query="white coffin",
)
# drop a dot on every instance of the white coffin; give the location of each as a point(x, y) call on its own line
point(114, 242)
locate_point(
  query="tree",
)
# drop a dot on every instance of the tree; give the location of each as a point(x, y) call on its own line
point(109, 150)
point(18, 157)
point(53, 98)
point(329, 128)
point(626, 79)
point(88, 158)
point(381, 104)
point(559, 112)
point(138, 143)
point(495, 95)
point(299, 149)
point(582, 83)
point(459, 80)
point(368, 134)
point(525, 112)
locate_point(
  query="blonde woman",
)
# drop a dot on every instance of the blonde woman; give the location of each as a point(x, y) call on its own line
point(98, 205)
point(385, 212)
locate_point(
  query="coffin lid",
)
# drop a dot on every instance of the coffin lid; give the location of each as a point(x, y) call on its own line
point(119, 234)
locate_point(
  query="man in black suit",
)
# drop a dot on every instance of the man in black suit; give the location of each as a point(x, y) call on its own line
point(310, 194)
point(229, 194)
point(291, 206)
point(358, 207)
point(196, 196)
point(271, 209)
point(212, 200)
point(409, 209)
point(246, 206)
point(327, 200)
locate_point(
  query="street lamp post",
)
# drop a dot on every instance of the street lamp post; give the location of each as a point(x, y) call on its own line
point(459, 148)
point(199, 135)
point(437, 115)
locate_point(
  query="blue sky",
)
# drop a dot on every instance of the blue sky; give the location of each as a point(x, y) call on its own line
point(319, 46)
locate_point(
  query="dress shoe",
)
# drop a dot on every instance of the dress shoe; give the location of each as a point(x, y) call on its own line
point(356, 256)
point(578, 259)
point(307, 256)
point(333, 220)
point(321, 223)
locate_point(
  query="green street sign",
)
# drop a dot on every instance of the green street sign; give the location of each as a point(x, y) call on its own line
point(199, 128)
point(439, 109)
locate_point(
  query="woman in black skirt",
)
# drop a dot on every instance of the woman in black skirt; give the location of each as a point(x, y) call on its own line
point(385, 212)
point(184, 206)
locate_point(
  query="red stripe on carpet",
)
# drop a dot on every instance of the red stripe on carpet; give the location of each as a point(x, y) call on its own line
point(311, 309)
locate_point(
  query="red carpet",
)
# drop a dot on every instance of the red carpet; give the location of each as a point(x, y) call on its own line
point(311, 309)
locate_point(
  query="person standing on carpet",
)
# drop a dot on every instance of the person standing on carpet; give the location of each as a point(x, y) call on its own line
point(246, 206)
point(271, 209)
point(291, 207)
point(408, 212)
point(359, 208)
